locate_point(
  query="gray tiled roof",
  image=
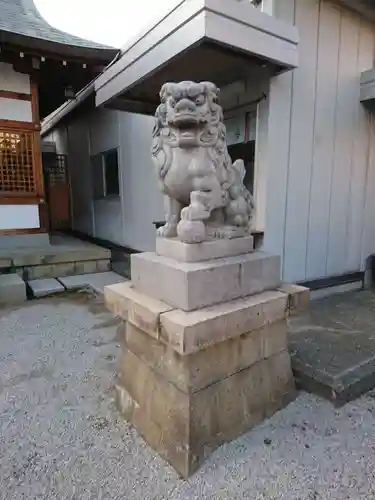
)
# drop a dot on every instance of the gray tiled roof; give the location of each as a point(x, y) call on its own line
point(21, 17)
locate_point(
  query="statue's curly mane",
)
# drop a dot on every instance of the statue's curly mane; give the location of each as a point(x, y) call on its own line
point(217, 149)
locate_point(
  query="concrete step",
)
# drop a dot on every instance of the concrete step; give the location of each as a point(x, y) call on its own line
point(96, 282)
point(12, 289)
point(51, 286)
point(332, 346)
point(44, 287)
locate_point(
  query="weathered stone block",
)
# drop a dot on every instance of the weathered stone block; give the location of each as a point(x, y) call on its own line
point(103, 266)
point(5, 262)
point(138, 308)
point(259, 274)
point(298, 297)
point(46, 286)
point(191, 331)
point(39, 272)
point(191, 286)
point(86, 267)
point(196, 371)
point(207, 250)
point(185, 428)
point(12, 289)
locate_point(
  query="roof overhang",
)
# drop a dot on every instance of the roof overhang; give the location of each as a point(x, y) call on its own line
point(367, 93)
point(217, 40)
point(364, 7)
point(62, 50)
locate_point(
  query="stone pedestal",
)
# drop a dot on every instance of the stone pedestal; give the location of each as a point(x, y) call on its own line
point(205, 353)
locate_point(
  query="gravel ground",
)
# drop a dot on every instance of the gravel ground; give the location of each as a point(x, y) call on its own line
point(62, 438)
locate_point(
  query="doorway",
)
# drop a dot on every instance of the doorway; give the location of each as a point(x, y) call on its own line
point(57, 187)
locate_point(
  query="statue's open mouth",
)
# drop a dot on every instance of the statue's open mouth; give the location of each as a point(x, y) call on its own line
point(185, 121)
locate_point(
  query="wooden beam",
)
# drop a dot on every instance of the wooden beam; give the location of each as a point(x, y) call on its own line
point(8, 94)
point(14, 124)
point(20, 200)
point(13, 232)
point(35, 102)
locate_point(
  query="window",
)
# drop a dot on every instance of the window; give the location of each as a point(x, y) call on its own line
point(241, 139)
point(105, 174)
point(17, 169)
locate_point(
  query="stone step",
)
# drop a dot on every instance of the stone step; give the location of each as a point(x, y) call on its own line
point(44, 287)
point(332, 346)
point(96, 282)
point(12, 289)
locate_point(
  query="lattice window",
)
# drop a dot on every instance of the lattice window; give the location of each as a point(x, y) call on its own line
point(17, 172)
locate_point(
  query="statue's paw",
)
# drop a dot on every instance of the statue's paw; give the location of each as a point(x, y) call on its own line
point(221, 234)
point(194, 213)
point(167, 231)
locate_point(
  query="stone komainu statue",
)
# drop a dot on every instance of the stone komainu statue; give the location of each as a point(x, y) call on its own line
point(205, 194)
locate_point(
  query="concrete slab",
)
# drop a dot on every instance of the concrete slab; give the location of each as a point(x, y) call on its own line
point(95, 281)
point(44, 287)
point(12, 289)
point(333, 346)
point(59, 249)
point(5, 263)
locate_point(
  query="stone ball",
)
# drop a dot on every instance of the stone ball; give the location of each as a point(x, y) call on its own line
point(191, 231)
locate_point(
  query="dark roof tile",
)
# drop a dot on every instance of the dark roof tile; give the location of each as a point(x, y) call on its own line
point(22, 18)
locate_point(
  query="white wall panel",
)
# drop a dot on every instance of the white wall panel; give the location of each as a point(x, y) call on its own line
point(15, 109)
point(19, 217)
point(12, 81)
point(321, 170)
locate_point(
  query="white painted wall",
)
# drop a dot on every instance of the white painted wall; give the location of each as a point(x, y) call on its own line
point(15, 109)
point(127, 219)
point(19, 217)
point(320, 201)
point(16, 216)
point(12, 81)
point(142, 200)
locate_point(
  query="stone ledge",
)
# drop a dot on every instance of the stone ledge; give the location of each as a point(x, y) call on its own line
point(298, 297)
point(137, 308)
point(188, 332)
point(198, 252)
point(203, 368)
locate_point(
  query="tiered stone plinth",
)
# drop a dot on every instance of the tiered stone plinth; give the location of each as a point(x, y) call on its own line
point(205, 355)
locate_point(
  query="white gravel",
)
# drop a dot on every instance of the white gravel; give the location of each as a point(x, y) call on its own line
point(62, 438)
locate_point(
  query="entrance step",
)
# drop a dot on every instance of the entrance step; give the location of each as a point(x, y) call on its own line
point(332, 346)
point(63, 256)
point(45, 287)
point(12, 289)
point(96, 282)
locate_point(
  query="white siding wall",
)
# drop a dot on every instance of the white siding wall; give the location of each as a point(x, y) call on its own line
point(127, 220)
point(320, 183)
point(16, 216)
point(142, 200)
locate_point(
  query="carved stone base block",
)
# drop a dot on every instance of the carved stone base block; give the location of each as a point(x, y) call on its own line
point(187, 406)
point(192, 380)
point(215, 249)
point(193, 285)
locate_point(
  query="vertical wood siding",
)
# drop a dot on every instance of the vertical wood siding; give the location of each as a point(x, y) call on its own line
point(321, 172)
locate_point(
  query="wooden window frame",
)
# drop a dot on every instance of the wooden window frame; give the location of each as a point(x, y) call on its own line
point(102, 156)
point(33, 127)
